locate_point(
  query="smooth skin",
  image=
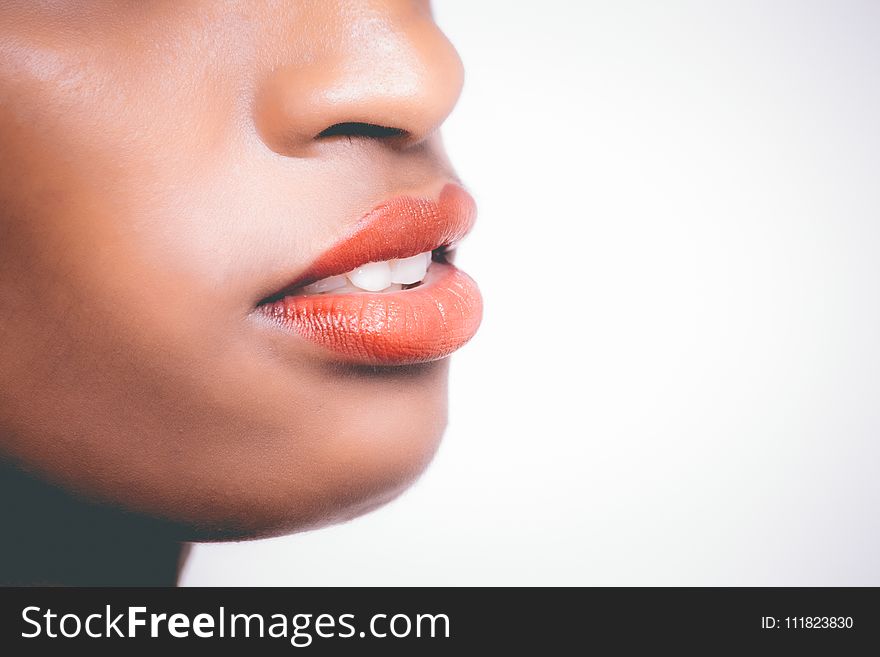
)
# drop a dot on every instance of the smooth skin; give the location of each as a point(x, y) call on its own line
point(163, 166)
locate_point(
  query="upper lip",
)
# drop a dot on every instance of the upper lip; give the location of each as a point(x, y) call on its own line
point(398, 228)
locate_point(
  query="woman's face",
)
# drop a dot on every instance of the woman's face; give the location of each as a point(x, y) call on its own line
point(172, 176)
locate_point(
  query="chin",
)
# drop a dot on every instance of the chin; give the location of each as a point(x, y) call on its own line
point(377, 437)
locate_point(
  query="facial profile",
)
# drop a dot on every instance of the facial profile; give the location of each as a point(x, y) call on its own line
point(226, 233)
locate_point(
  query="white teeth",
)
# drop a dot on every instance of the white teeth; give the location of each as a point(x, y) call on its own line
point(410, 270)
point(388, 276)
point(372, 277)
point(326, 285)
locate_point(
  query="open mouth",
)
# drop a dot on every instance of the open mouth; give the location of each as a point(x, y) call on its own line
point(384, 276)
point(388, 293)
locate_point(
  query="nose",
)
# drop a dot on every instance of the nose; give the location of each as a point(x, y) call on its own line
point(382, 71)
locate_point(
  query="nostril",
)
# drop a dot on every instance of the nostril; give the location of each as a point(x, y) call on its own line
point(365, 130)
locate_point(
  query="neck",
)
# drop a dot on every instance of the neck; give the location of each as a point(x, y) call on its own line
point(51, 538)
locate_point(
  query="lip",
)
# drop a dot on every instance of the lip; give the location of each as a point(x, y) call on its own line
point(421, 324)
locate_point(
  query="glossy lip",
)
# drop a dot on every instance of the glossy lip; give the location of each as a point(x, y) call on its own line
point(415, 325)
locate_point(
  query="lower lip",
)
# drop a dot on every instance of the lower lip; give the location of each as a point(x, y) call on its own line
point(418, 325)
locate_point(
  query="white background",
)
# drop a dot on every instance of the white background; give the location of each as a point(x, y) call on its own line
point(678, 376)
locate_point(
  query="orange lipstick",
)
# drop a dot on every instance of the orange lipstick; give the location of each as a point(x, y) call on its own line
point(420, 323)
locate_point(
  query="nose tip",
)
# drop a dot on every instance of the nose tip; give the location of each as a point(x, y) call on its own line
point(388, 76)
